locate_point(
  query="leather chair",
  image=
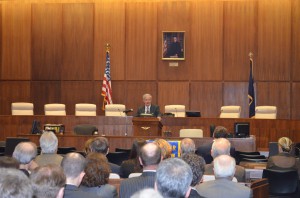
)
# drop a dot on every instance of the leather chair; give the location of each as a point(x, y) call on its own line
point(85, 109)
point(85, 129)
point(191, 133)
point(22, 108)
point(55, 109)
point(115, 110)
point(65, 150)
point(230, 112)
point(177, 110)
point(265, 112)
point(11, 143)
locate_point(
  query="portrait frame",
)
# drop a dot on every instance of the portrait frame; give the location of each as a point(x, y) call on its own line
point(173, 45)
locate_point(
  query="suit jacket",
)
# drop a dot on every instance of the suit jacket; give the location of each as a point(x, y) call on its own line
point(154, 110)
point(114, 168)
point(104, 191)
point(239, 172)
point(48, 158)
point(127, 167)
point(129, 186)
point(223, 187)
point(194, 194)
point(72, 191)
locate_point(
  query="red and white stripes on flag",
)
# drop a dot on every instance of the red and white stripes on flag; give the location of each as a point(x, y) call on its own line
point(106, 87)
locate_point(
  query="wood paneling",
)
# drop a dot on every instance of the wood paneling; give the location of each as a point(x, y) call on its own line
point(275, 94)
point(240, 28)
point(0, 40)
point(46, 49)
point(295, 111)
point(207, 98)
point(141, 40)
point(274, 40)
point(206, 40)
point(13, 91)
point(16, 37)
point(173, 16)
point(173, 93)
point(295, 40)
point(78, 41)
point(110, 28)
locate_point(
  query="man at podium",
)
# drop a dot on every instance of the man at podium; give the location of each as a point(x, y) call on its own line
point(148, 110)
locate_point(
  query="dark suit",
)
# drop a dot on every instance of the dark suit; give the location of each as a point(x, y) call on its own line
point(154, 110)
point(72, 191)
point(194, 194)
point(114, 168)
point(128, 167)
point(104, 191)
point(129, 186)
point(239, 172)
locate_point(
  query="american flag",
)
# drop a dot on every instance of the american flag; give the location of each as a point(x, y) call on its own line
point(251, 91)
point(106, 87)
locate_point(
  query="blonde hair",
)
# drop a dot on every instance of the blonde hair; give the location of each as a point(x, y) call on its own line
point(285, 143)
point(166, 148)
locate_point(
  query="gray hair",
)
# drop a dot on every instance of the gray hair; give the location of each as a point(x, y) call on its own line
point(73, 164)
point(147, 193)
point(224, 166)
point(25, 152)
point(220, 146)
point(145, 95)
point(173, 177)
point(187, 146)
point(48, 142)
point(14, 184)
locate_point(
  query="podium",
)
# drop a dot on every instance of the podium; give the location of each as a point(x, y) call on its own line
point(146, 126)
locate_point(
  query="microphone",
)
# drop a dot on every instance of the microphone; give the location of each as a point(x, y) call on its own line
point(128, 110)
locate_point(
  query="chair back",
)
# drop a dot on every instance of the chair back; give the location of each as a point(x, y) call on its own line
point(212, 177)
point(191, 133)
point(265, 112)
point(177, 110)
point(117, 157)
point(65, 150)
point(85, 109)
point(11, 143)
point(55, 109)
point(230, 112)
point(22, 108)
point(134, 175)
point(114, 176)
point(115, 110)
point(85, 129)
point(273, 149)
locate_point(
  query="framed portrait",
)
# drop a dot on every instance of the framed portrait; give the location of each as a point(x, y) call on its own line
point(173, 45)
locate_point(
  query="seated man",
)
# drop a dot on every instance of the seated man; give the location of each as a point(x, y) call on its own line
point(223, 186)
point(148, 107)
point(187, 146)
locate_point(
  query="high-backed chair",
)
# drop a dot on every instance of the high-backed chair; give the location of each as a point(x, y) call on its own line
point(115, 110)
point(266, 112)
point(191, 133)
point(22, 108)
point(55, 109)
point(85, 109)
point(85, 129)
point(230, 112)
point(177, 110)
point(11, 143)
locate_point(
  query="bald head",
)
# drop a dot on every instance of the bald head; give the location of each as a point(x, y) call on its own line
point(187, 146)
point(73, 165)
point(150, 154)
point(25, 152)
point(220, 146)
point(224, 167)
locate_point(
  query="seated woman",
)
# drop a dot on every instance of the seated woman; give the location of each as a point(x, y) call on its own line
point(284, 160)
point(166, 148)
point(96, 177)
point(132, 165)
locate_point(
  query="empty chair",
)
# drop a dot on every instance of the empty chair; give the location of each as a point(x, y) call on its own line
point(230, 112)
point(22, 108)
point(55, 109)
point(177, 110)
point(11, 143)
point(265, 112)
point(239, 155)
point(117, 157)
point(85, 129)
point(191, 133)
point(85, 109)
point(115, 110)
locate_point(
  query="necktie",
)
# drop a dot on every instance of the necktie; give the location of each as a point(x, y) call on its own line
point(147, 111)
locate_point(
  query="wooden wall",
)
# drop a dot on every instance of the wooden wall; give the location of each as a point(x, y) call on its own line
point(53, 51)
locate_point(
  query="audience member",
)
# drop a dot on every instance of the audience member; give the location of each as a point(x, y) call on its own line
point(9, 162)
point(221, 146)
point(73, 165)
point(95, 180)
point(49, 144)
point(48, 181)
point(25, 152)
point(148, 107)
point(187, 146)
point(147, 193)
point(150, 157)
point(132, 165)
point(223, 186)
point(205, 150)
point(173, 178)
point(14, 184)
point(197, 164)
point(166, 148)
point(100, 145)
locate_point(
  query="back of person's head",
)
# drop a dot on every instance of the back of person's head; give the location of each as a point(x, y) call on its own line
point(224, 166)
point(87, 146)
point(48, 142)
point(147, 193)
point(14, 184)
point(9, 162)
point(220, 146)
point(150, 154)
point(25, 152)
point(220, 132)
point(73, 165)
point(285, 144)
point(197, 164)
point(173, 178)
point(187, 146)
point(136, 147)
point(48, 181)
point(99, 145)
point(166, 148)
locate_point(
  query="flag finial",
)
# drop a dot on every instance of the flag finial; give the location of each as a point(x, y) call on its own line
point(107, 47)
point(251, 55)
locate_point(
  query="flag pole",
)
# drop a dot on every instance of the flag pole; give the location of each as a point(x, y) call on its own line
point(251, 89)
